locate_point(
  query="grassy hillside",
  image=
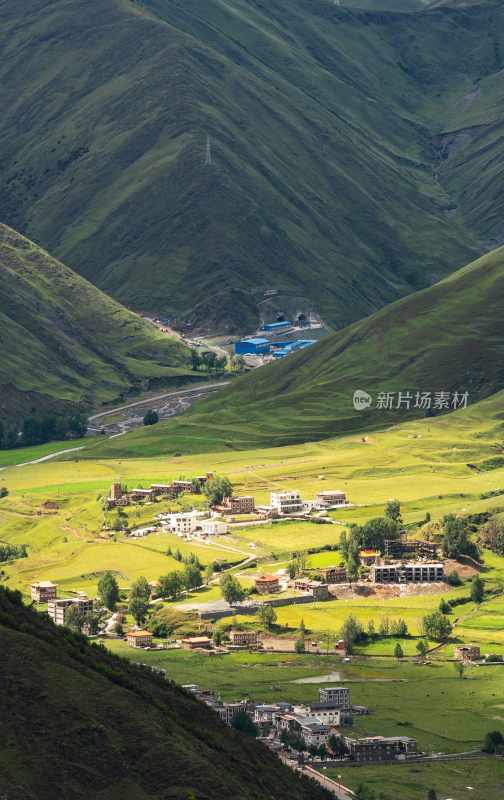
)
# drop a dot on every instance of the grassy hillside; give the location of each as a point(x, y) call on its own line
point(445, 338)
point(354, 156)
point(108, 729)
point(66, 342)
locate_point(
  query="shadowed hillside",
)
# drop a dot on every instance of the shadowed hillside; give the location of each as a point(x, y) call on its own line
point(446, 338)
point(353, 152)
point(95, 726)
point(64, 342)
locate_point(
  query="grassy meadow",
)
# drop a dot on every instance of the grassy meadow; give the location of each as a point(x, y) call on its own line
point(480, 779)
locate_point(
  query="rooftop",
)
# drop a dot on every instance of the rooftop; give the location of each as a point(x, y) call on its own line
point(139, 634)
point(267, 578)
point(256, 340)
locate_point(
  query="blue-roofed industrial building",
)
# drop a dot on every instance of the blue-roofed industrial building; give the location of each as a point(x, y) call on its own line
point(256, 346)
point(277, 327)
point(290, 347)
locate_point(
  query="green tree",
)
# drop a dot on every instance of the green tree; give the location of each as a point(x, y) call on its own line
point(371, 631)
point(352, 633)
point(191, 576)
point(374, 532)
point(431, 794)
point(231, 589)
point(217, 637)
point(151, 417)
point(108, 591)
point(343, 545)
point(74, 618)
point(352, 568)
point(436, 626)
point(477, 589)
point(384, 629)
point(138, 608)
point(422, 648)
point(456, 540)
point(444, 607)
point(399, 628)
point(171, 585)
point(398, 651)
point(267, 616)
point(217, 488)
point(459, 668)
point(393, 511)
point(243, 723)
point(140, 588)
point(300, 644)
point(493, 743)
point(209, 571)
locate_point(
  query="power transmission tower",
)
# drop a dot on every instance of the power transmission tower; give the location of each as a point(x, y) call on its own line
point(208, 153)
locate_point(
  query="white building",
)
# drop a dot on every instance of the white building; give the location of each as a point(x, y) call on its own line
point(288, 502)
point(213, 527)
point(182, 523)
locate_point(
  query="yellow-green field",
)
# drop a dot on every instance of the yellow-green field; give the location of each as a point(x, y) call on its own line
point(424, 464)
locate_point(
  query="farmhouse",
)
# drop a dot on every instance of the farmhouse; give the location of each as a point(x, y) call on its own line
point(239, 504)
point(56, 608)
point(335, 574)
point(287, 502)
point(408, 572)
point(142, 494)
point(379, 748)
point(330, 498)
point(139, 638)
point(243, 638)
point(214, 527)
point(267, 584)
point(197, 643)
point(467, 652)
point(43, 591)
point(320, 591)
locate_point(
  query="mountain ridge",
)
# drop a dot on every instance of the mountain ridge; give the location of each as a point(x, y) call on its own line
point(321, 122)
point(68, 345)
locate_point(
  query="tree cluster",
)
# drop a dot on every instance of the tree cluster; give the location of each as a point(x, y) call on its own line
point(8, 552)
point(217, 488)
point(38, 430)
point(207, 361)
point(456, 541)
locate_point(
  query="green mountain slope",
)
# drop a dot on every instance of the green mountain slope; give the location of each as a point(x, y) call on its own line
point(66, 342)
point(446, 338)
point(354, 154)
point(94, 725)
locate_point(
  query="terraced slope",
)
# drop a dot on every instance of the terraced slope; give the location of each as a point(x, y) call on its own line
point(66, 343)
point(446, 338)
point(354, 154)
point(96, 726)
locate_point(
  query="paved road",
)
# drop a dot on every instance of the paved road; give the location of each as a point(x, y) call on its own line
point(51, 455)
point(151, 400)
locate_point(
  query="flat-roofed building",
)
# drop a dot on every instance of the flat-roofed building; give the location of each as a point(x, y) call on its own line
point(197, 643)
point(240, 504)
point(214, 527)
point(43, 591)
point(408, 572)
point(142, 494)
point(182, 523)
point(56, 609)
point(244, 638)
point(139, 638)
point(335, 696)
point(267, 584)
point(287, 502)
point(335, 574)
point(380, 748)
point(331, 497)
